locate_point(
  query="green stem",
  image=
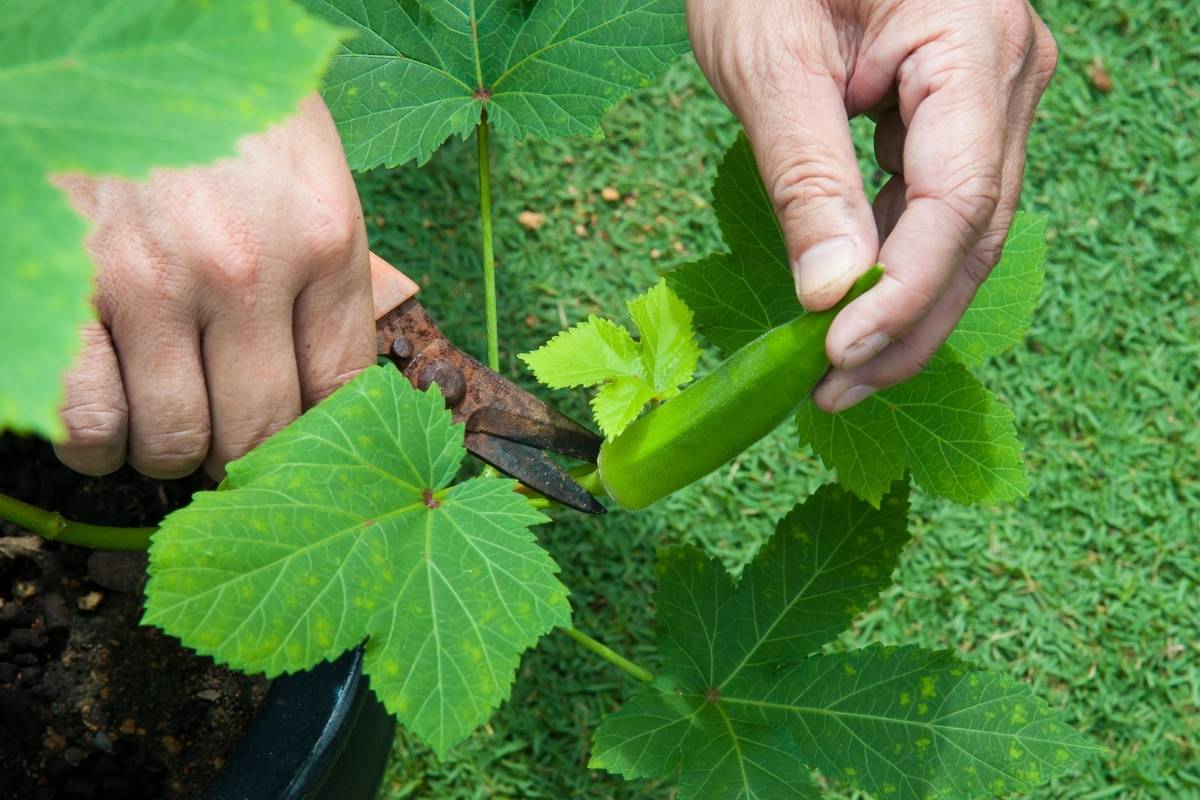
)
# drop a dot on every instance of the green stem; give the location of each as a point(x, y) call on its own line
point(489, 255)
point(52, 525)
point(609, 655)
point(588, 476)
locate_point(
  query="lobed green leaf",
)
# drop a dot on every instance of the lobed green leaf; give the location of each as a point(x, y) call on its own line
point(630, 374)
point(743, 708)
point(344, 527)
point(420, 72)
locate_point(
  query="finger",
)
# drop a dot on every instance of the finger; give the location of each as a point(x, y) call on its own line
point(95, 414)
point(907, 356)
point(389, 286)
point(952, 166)
point(169, 426)
point(250, 368)
point(890, 134)
point(903, 358)
point(333, 326)
point(801, 140)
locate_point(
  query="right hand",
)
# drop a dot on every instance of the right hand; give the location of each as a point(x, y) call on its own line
point(953, 85)
point(230, 298)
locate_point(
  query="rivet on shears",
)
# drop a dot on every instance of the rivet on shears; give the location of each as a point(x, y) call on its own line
point(448, 377)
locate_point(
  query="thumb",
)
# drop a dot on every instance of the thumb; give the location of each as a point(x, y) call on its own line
point(389, 286)
point(801, 140)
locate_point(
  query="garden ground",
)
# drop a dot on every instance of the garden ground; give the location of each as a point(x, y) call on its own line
point(1087, 589)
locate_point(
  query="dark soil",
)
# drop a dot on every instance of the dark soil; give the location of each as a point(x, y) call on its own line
point(91, 704)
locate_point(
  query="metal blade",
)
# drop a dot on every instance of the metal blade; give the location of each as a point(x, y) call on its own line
point(533, 468)
point(547, 429)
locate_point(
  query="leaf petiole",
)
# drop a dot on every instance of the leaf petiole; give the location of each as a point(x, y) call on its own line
point(609, 655)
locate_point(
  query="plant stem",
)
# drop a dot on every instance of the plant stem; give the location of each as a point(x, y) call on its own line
point(489, 255)
point(609, 655)
point(588, 476)
point(52, 525)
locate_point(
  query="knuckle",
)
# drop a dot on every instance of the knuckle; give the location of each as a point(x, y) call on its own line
point(1047, 57)
point(335, 228)
point(808, 179)
point(237, 267)
point(94, 426)
point(171, 453)
point(921, 298)
point(984, 256)
point(148, 273)
point(323, 385)
point(972, 200)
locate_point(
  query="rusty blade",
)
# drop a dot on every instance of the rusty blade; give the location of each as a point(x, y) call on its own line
point(547, 430)
point(507, 427)
point(533, 468)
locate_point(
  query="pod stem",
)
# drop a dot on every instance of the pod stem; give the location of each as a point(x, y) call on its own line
point(53, 526)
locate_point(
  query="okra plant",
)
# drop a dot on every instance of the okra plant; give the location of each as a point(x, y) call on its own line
point(348, 527)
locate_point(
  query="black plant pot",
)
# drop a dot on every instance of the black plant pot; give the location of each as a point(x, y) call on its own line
point(321, 735)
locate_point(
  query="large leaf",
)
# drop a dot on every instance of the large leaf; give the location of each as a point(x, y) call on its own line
point(955, 435)
point(344, 527)
point(115, 87)
point(599, 352)
point(740, 295)
point(421, 71)
point(745, 710)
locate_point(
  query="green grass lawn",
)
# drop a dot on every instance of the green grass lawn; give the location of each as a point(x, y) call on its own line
point(1088, 589)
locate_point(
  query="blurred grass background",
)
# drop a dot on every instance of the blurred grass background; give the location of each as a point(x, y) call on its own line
point(1087, 589)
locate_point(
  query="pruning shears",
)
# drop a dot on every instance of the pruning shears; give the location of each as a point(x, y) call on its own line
point(506, 426)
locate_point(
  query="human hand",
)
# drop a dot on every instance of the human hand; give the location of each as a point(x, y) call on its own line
point(952, 85)
point(230, 298)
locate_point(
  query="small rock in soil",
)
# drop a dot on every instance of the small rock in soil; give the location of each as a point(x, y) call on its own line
point(75, 756)
point(172, 745)
point(8, 613)
point(211, 695)
point(58, 618)
point(90, 601)
point(54, 742)
point(101, 741)
point(128, 727)
point(23, 590)
point(116, 570)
